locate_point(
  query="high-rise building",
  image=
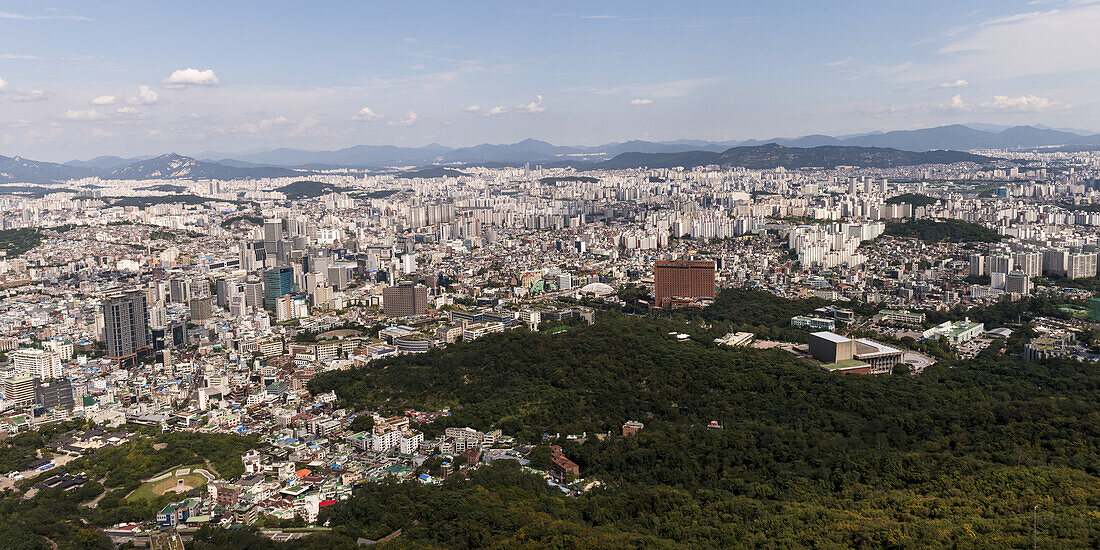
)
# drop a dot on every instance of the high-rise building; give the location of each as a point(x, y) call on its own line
point(42, 364)
point(179, 290)
point(126, 324)
point(201, 309)
point(1018, 283)
point(19, 391)
point(682, 279)
point(404, 299)
point(278, 282)
point(978, 265)
point(273, 230)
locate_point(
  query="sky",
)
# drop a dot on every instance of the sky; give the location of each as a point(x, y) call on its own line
point(83, 79)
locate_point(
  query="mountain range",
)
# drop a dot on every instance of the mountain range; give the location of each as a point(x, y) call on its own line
point(773, 155)
point(287, 162)
point(953, 137)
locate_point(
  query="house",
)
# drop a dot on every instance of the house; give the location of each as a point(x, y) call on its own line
point(632, 427)
point(562, 469)
point(174, 514)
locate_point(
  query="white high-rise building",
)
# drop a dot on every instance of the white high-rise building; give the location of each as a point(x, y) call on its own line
point(42, 364)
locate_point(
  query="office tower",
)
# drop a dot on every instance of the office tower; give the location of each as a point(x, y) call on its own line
point(179, 290)
point(19, 391)
point(253, 255)
point(53, 395)
point(404, 299)
point(42, 364)
point(126, 325)
point(201, 309)
point(273, 230)
point(221, 292)
point(682, 279)
point(254, 294)
point(180, 338)
point(278, 282)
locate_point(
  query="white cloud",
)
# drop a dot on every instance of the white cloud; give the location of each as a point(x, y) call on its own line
point(190, 77)
point(367, 115)
point(35, 94)
point(960, 83)
point(1002, 104)
point(146, 96)
point(533, 107)
point(641, 101)
point(1055, 41)
point(90, 114)
point(472, 109)
point(23, 17)
point(660, 90)
point(1022, 104)
point(409, 120)
point(127, 111)
point(105, 100)
point(3, 85)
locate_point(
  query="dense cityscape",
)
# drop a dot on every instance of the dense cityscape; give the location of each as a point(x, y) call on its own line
point(879, 339)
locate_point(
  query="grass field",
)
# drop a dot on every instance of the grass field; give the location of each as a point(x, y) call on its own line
point(158, 487)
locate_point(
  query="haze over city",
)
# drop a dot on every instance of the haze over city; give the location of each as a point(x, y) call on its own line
point(79, 80)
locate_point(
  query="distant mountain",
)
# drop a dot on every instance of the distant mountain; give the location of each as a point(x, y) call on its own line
point(173, 166)
point(286, 162)
point(106, 162)
point(773, 155)
point(358, 156)
point(21, 170)
point(956, 137)
point(959, 137)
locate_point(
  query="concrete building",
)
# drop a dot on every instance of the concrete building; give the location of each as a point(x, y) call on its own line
point(682, 279)
point(404, 299)
point(19, 391)
point(41, 364)
point(126, 323)
point(54, 395)
point(831, 348)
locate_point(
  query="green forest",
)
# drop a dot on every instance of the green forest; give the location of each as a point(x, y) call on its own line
point(958, 456)
point(14, 242)
point(948, 230)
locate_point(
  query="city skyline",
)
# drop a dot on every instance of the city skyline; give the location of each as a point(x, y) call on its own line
point(244, 78)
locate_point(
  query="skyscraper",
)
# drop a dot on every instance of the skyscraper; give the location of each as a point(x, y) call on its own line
point(278, 282)
point(126, 323)
point(682, 279)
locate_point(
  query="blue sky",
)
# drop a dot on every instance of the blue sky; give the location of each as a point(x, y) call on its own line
point(82, 79)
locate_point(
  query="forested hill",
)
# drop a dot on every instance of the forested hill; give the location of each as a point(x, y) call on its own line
point(954, 457)
point(947, 230)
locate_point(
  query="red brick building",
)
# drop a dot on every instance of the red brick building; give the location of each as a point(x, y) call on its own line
point(682, 279)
